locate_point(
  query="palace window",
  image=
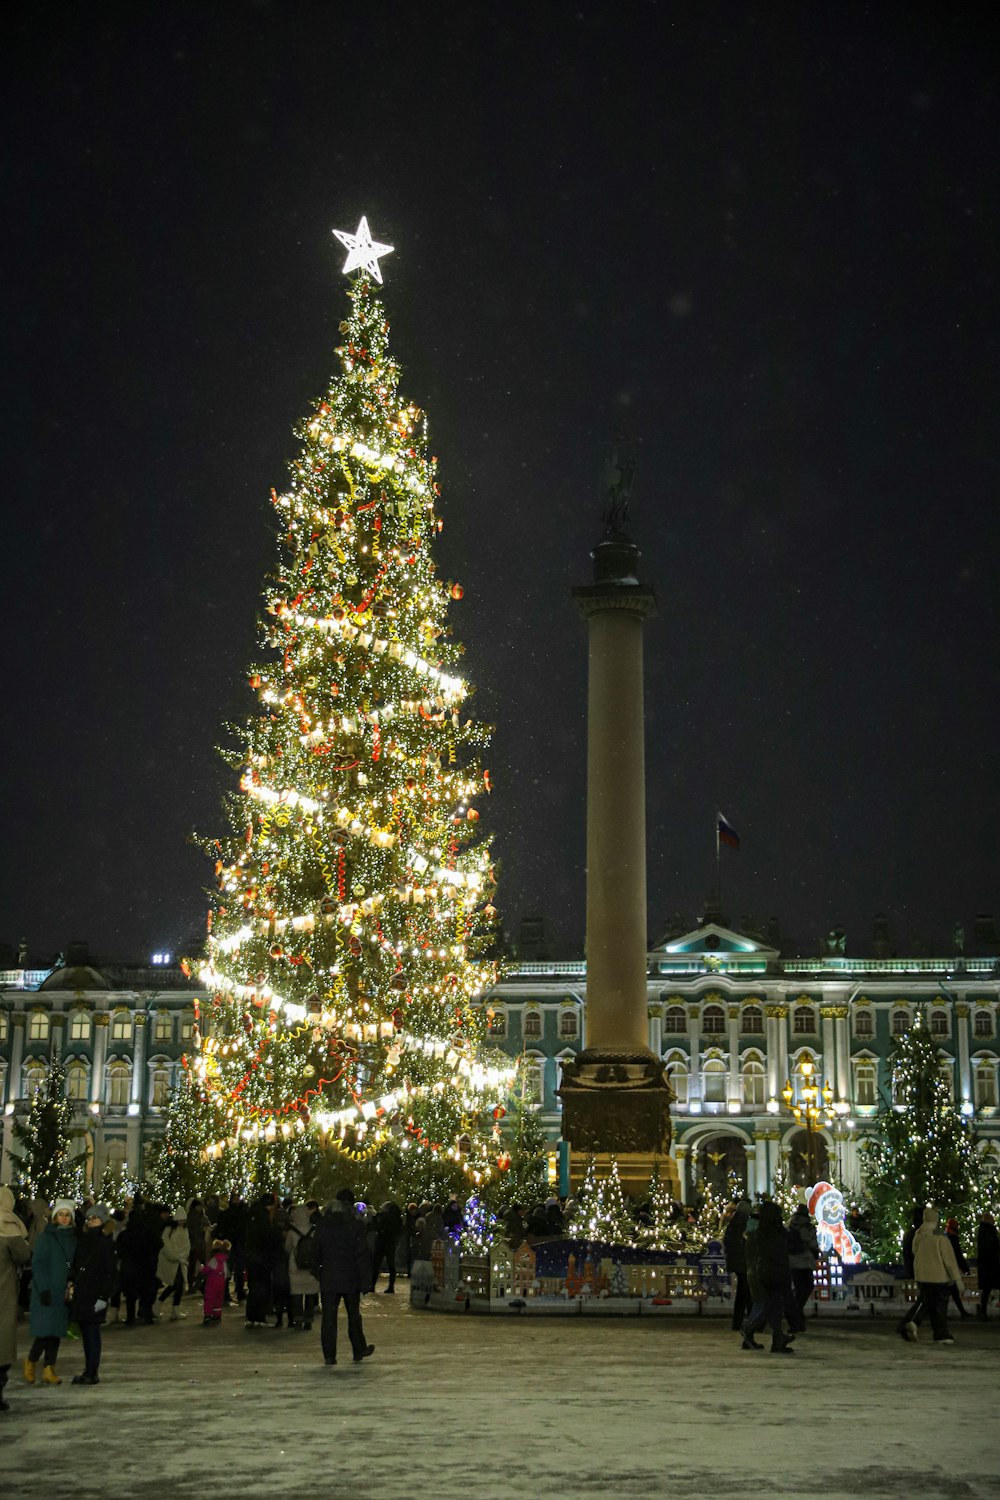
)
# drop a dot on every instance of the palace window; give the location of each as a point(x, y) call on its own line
point(163, 1027)
point(675, 1020)
point(715, 1074)
point(753, 1020)
point(569, 1024)
point(498, 1023)
point(865, 1084)
point(804, 1021)
point(79, 1026)
point(187, 1025)
point(119, 1084)
point(754, 1082)
point(677, 1077)
point(864, 1023)
point(38, 1026)
point(33, 1076)
point(982, 1023)
point(713, 1020)
point(77, 1079)
point(900, 1023)
point(532, 1023)
point(986, 1085)
point(121, 1026)
point(534, 1083)
point(3, 1025)
point(159, 1087)
point(939, 1022)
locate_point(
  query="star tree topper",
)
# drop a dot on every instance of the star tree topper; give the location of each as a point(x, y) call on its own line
point(362, 251)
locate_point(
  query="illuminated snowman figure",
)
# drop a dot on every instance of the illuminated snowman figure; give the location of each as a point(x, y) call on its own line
point(826, 1204)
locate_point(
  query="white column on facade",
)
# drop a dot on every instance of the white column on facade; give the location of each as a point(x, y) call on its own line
point(681, 1156)
point(100, 1057)
point(773, 1052)
point(750, 1148)
point(734, 1053)
point(964, 1066)
point(843, 1084)
point(694, 1051)
point(782, 1020)
point(656, 1029)
point(16, 1055)
point(827, 1014)
point(138, 1057)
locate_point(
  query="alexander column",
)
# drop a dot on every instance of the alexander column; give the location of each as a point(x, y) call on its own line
point(616, 1100)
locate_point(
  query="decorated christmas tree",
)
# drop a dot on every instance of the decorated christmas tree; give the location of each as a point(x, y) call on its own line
point(924, 1152)
point(601, 1212)
point(49, 1166)
point(664, 1228)
point(521, 1147)
point(353, 902)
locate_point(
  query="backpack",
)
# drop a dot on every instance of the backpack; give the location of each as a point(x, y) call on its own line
point(305, 1250)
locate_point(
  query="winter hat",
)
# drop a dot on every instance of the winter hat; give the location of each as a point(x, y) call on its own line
point(817, 1195)
point(98, 1211)
point(63, 1206)
point(180, 1215)
point(932, 1217)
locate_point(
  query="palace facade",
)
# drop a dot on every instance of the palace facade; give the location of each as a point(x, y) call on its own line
point(745, 1033)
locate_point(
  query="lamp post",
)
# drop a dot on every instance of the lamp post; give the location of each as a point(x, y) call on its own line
point(814, 1110)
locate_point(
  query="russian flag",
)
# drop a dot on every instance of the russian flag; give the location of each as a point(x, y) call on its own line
point(726, 834)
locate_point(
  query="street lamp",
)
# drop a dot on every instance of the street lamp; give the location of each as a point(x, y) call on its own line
point(814, 1111)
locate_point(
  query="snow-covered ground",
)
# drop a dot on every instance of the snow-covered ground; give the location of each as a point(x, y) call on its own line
point(465, 1406)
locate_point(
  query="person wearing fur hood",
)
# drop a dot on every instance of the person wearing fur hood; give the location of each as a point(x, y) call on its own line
point(14, 1253)
point(935, 1270)
point(175, 1251)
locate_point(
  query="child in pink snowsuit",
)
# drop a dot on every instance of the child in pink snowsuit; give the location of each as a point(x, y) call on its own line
point(214, 1271)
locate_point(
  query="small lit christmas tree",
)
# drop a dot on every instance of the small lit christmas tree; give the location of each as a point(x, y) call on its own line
point(663, 1232)
point(601, 1212)
point(49, 1165)
point(353, 904)
point(521, 1147)
point(924, 1152)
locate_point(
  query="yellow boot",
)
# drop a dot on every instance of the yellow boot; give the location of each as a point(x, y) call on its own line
point(49, 1376)
point(29, 1371)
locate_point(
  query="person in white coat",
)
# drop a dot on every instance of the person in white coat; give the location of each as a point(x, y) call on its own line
point(302, 1284)
point(935, 1270)
point(174, 1252)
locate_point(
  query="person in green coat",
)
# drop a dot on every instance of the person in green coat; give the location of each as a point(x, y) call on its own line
point(48, 1315)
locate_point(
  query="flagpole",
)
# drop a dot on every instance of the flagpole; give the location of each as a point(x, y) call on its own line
point(718, 867)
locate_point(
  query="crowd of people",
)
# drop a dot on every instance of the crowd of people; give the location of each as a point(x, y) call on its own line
point(283, 1263)
point(773, 1265)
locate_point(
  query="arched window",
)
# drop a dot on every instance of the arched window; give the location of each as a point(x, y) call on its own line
point(3, 1025)
point(714, 1075)
point(119, 1084)
point(38, 1026)
point(79, 1026)
point(986, 1084)
point(900, 1023)
point(754, 1084)
point(187, 1025)
point(939, 1021)
point(534, 1082)
point(753, 1020)
point(674, 1020)
point(77, 1080)
point(677, 1077)
point(804, 1021)
point(865, 1082)
point(116, 1154)
point(159, 1086)
point(532, 1023)
point(713, 1020)
point(163, 1027)
point(497, 1023)
point(982, 1023)
point(121, 1026)
point(569, 1024)
point(33, 1076)
point(864, 1023)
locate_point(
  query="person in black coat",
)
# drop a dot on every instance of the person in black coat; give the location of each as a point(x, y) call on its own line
point(388, 1227)
point(770, 1279)
point(963, 1265)
point(344, 1271)
point(231, 1225)
point(734, 1245)
point(988, 1261)
point(264, 1242)
point(91, 1277)
point(137, 1247)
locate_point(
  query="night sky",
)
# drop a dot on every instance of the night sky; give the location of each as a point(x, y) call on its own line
point(757, 244)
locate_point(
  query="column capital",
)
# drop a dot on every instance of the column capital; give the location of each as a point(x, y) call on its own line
point(834, 1012)
point(733, 1012)
point(962, 1012)
point(101, 1018)
point(776, 1012)
point(694, 1012)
